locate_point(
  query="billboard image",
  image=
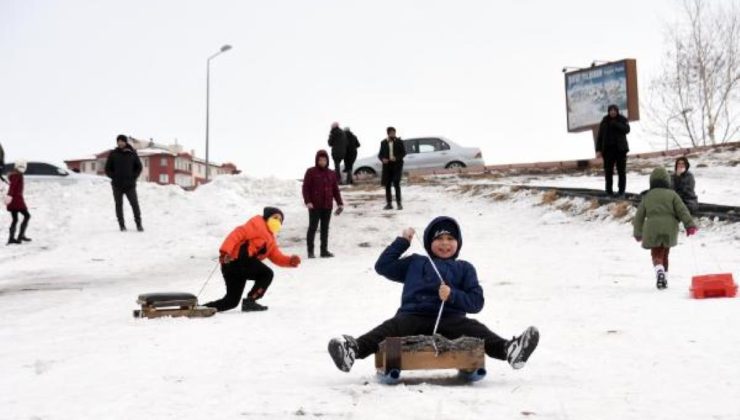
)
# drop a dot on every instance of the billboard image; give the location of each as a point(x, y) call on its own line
point(589, 92)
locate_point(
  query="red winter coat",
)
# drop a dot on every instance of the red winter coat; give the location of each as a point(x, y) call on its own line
point(16, 191)
point(320, 185)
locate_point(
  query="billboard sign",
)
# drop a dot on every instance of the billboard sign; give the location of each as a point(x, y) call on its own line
point(589, 92)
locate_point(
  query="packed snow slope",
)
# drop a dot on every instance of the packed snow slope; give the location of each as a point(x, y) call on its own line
point(612, 346)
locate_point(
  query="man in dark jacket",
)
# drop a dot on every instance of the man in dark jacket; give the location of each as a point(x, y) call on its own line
point(392, 152)
point(683, 184)
point(319, 188)
point(123, 167)
point(2, 164)
point(611, 145)
point(349, 160)
point(338, 144)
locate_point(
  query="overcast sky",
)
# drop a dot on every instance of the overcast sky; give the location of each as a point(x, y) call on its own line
point(74, 74)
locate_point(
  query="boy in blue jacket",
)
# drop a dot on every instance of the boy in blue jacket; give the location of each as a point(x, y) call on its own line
point(423, 294)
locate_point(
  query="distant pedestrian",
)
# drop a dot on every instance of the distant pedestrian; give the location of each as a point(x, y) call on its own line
point(392, 152)
point(338, 143)
point(320, 190)
point(16, 204)
point(656, 222)
point(2, 164)
point(612, 146)
point(683, 183)
point(349, 160)
point(123, 167)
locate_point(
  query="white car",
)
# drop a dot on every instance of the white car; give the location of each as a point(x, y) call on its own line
point(425, 153)
point(43, 171)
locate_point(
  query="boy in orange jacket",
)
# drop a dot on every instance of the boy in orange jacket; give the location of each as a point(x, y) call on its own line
point(241, 259)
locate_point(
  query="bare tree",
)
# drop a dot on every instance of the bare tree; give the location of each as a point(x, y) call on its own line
point(696, 98)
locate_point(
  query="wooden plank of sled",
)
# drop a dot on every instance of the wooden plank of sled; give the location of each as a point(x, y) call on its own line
point(195, 312)
point(390, 355)
point(163, 300)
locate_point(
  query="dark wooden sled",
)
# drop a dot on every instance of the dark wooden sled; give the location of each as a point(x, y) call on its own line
point(157, 305)
point(466, 354)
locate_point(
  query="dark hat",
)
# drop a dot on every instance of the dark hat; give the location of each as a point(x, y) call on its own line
point(324, 154)
point(122, 137)
point(389, 129)
point(440, 226)
point(268, 212)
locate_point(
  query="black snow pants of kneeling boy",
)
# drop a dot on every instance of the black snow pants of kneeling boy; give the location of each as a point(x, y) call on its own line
point(236, 274)
point(451, 327)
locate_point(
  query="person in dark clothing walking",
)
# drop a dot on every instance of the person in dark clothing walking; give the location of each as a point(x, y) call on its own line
point(683, 183)
point(422, 295)
point(338, 143)
point(241, 256)
point(123, 167)
point(392, 152)
point(353, 143)
point(612, 146)
point(2, 164)
point(16, 204)
point(319, 188)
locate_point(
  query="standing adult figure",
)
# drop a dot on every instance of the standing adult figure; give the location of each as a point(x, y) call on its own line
point(123, 167)
point(392, 152)
point(349, 160)
point(2, 164)
point(319, 190)
point(338, 144)
point(612, 146)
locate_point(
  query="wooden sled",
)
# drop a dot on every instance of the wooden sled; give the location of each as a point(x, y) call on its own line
point(466, 354)
point(157, 305)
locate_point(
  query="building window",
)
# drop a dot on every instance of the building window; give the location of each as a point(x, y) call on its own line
point(164, 179)
point(145, 162)
point(163, 161)
point(92, 166)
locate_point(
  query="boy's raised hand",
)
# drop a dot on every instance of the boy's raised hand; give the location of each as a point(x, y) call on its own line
point(408, 234)
point(444, 292)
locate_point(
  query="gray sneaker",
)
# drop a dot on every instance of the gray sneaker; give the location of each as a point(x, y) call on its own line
point(343, 351)
point(520, 348)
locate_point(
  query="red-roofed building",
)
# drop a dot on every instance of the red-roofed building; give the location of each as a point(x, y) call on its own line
point(161, 164)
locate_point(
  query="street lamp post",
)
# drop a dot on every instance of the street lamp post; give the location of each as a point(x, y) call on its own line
point(668, 122)
point(208, 95)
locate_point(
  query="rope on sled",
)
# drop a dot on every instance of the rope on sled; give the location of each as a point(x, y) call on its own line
point(441, 307)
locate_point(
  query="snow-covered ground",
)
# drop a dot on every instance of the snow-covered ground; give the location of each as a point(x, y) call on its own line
point(612, 346)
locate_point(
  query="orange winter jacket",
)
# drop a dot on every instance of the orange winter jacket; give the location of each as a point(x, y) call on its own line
point(260, 242)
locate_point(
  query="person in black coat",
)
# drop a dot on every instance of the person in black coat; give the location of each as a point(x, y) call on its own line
point(338, 143)
point(2, 164)
point(684, 184)
point(123, 167)
point(349, 160)
point(392, 152)
point(611, 145)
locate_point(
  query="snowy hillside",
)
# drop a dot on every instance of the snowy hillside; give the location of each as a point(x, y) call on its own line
point(612, 346)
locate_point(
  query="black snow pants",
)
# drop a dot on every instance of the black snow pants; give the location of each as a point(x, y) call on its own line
point(236, 274)
point(133, 199)
point(451, 327)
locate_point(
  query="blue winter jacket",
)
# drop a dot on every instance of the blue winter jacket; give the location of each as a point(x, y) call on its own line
point(421, 284)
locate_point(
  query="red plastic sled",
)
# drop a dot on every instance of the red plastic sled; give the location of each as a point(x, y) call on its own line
point(713, 285)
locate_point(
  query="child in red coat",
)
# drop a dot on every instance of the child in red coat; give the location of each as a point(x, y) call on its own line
point(15, 203)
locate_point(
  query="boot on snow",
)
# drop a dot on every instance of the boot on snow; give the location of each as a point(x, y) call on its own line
point(661, 282)
point(249, 305)
point(520, 348)
point(343, 351)
point(11, 238)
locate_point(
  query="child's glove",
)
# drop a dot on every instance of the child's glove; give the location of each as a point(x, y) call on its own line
point(339, 210)
point(295, 260)
point(691, 230)
point(638, 238)
point(225, 258)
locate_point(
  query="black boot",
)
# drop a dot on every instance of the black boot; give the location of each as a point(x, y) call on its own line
point(22, 237)
point(399, 206)
point(11, 238)
point(122, 227)
point(326, 254)
point(311, 254)
point(249, 305)
point(139, 227)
